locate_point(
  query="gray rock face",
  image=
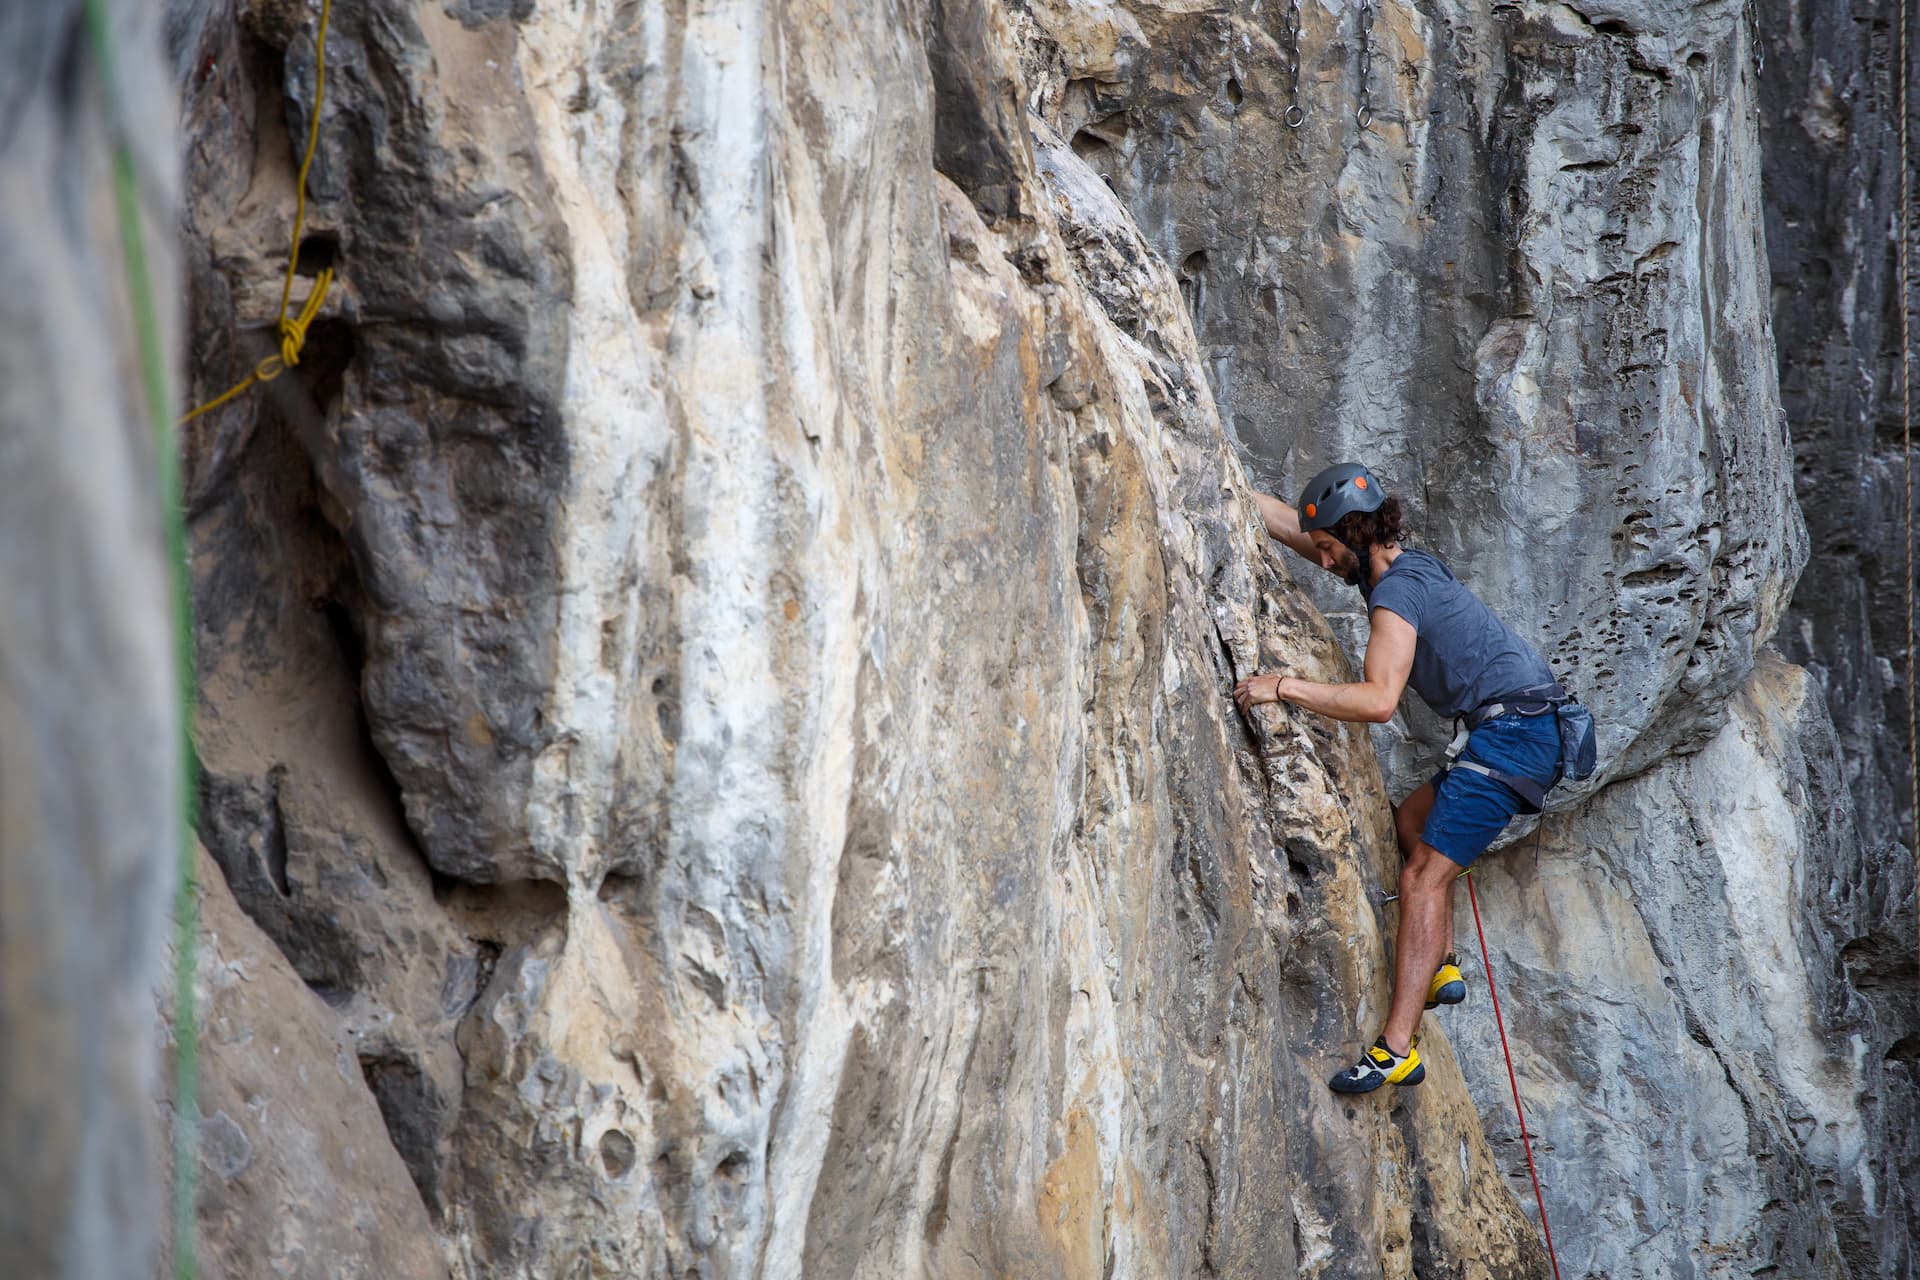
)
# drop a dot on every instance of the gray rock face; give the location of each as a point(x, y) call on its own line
point(1682, 998)
point(1586, 428)
point(430, 400)
point(716, 662)
point(1532, 295)
point(897, 912)
point(1830, 95)
point(1830, 129)
point(298, 1173)
point(89, 727)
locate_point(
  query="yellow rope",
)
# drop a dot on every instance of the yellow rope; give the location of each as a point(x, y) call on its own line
point(293, 332)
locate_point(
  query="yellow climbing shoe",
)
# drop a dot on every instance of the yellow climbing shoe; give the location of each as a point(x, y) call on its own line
point(1448, 986)
point(1380, 1065)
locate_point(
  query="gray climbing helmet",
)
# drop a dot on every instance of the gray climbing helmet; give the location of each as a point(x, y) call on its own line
point(1340, 490)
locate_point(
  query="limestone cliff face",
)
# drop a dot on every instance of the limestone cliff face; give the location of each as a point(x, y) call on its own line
point(817, 838)
point(1832, 111)
point(716, 663)
point(1536, 292)
point(1710, 1071)
point(1533, 293)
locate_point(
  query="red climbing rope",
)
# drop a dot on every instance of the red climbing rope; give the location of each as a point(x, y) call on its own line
point(1525, 1142)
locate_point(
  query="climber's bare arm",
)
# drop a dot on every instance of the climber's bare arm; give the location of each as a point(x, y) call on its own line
point(1283, 523)
point(1389, 662)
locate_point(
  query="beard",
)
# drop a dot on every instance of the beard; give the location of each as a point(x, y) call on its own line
point(1352, 570)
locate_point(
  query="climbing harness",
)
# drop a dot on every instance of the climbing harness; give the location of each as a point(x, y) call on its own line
point(1364, 111)
point(293, 330)
point(1294, 116)
point(159, 406)
point(1533, 796)
point(1577, 749)
point(1526, 1142)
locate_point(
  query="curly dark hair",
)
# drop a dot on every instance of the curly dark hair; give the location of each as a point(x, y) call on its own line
point(1362, 531)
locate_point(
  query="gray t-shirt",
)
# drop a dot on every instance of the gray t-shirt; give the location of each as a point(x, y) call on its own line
point(1464, 657)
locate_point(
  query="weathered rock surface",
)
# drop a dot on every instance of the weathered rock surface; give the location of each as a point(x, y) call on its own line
point(716, 662)
point(1682, 1004)
point(446, 475)
point(89, 729)
point(1533, 295)
point(896, 912)
point(298, 1176)
point(1831, 96)
point(1830, 130)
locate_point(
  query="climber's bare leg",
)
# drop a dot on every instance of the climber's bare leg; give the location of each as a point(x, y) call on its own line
point(1426, 921)
point(1409, 820)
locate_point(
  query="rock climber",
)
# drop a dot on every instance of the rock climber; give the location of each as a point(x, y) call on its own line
point(1428, 630)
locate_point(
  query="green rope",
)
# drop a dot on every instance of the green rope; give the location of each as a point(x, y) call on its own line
point(160, 409)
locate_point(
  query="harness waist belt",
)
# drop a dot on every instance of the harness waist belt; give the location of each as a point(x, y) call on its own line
point(1536, 701)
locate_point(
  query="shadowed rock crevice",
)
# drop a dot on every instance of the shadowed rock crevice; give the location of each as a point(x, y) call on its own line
point(394, 327)
point(979, 134)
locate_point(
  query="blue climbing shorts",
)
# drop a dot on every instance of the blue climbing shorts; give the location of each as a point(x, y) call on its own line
point(1470, 809)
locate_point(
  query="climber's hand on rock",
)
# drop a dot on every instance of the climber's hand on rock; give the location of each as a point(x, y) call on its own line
point(1254, 690)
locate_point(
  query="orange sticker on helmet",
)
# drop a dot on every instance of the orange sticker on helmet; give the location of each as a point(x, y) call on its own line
point(1360, 482)
point(1309, 511)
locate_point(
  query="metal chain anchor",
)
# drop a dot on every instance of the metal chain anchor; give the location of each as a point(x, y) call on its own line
point(1295, 115)
point(1364, 113)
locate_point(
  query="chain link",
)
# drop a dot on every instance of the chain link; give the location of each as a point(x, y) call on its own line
point(1295, 116)
point(1364, 107)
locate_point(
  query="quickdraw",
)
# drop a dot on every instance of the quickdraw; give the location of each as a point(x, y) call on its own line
point(1295, 116)
point(1363, 113)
